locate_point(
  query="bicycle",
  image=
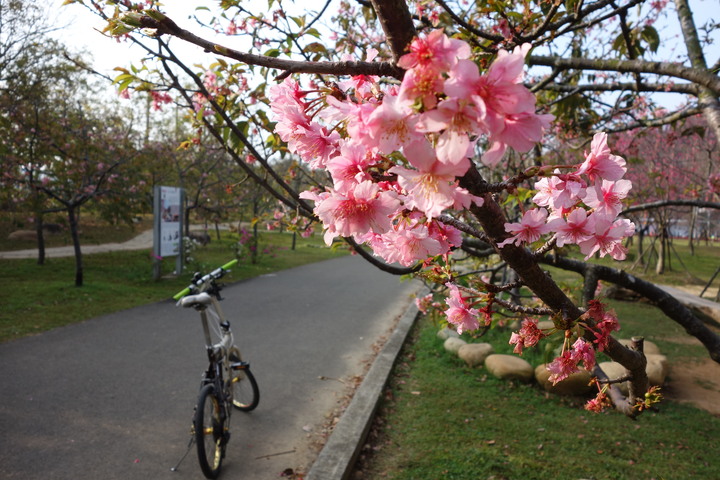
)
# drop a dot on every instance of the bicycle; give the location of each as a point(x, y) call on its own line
point(227, 380)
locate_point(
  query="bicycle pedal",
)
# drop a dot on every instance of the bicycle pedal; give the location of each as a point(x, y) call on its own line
point(239, 365)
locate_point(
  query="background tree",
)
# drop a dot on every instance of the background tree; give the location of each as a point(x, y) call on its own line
point(227, 106)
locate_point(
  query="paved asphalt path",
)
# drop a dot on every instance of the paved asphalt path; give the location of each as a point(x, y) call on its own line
point(112, 397)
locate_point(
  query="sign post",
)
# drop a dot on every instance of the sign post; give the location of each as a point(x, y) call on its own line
point(168, 210)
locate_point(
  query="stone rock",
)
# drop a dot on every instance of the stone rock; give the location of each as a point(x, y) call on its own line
point(649, 348)
point(474, 354)
point(577, 383)
point(453, 344)
point(199, 237)
point(657, 369)
point(446, 333)
point(23, 235)
point(546, 324)
point(614, 370)
point(509, 367)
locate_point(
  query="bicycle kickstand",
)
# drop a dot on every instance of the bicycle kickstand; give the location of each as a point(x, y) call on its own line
point(190, 444)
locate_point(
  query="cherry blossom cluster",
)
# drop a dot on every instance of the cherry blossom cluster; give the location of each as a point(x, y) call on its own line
point(394, 152)
point(564, 199)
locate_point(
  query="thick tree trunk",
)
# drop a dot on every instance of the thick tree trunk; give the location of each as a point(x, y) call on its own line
point(40, 239)
point(75, 234)
point(691, 231)
point(662, 251)
point(707, 99)
point(669, 305)
point(526, 265)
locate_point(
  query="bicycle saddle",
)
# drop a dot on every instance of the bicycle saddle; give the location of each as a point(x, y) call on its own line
point(203, 298)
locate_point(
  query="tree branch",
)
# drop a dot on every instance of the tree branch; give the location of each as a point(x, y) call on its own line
point(166, 26)
point(685, 88)
point(396, 22)
point(694, 75)
point(520, 259)
point(669, 305)
point(670, 203)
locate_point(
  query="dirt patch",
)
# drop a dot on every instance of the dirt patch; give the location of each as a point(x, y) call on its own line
point(696, 382)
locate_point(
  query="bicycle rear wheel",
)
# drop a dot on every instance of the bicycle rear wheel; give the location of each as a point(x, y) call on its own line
point(246, 394)
point(210, 435)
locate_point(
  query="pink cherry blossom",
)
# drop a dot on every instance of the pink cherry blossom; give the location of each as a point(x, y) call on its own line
point(604, 327)
point(606, 197)
point(522, 130)
point(435, 51)
point(562, 367)
point(446, 235)
point(392, 125)
point(423, 304)
point(314, 145)
point(559, 191)
point(356, 212)
point(528, 335)
point(455, 119)
point(407, 243)
point(606, 238)
point(463, 80)
point(599, 403)
point(427, 192)
point(460, 313)
point(530, 228)
point(600, 162)
point(433, 187)
point(421, 84)
point(507, 108)
point(353, 115)
point(349, 167)
point(582, 351)
point(576, 228)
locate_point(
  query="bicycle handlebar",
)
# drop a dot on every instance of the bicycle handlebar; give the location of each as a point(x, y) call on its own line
point(217, 273)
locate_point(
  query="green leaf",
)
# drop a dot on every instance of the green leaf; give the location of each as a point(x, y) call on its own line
point(619, 45)
point(312, 31)
point(273, 52)
point(651, 37)
point(570, 5)
point(299, 21)
point(315, 47)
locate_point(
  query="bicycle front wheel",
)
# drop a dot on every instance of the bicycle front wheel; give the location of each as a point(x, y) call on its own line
point(246, 394)
point(210, 434)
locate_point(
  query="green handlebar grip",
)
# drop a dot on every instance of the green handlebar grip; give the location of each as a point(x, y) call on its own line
point(181, 293)
point(230, 264)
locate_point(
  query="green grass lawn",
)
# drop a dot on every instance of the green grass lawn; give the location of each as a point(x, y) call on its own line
point(440, 419)
point(36, 298)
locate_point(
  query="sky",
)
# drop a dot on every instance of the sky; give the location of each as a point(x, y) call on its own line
point(82, 32)
point(83, 27)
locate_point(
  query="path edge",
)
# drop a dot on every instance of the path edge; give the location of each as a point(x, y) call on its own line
point(337, 458)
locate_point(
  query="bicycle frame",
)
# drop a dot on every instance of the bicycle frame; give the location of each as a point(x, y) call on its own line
point(221, 381)
point(217, 352)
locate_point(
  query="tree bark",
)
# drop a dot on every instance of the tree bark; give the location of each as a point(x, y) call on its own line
point(694, 75)
point(73, 224)
point(669, 305)
point(520, 259)
point(396, 22)
point(708, 96)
